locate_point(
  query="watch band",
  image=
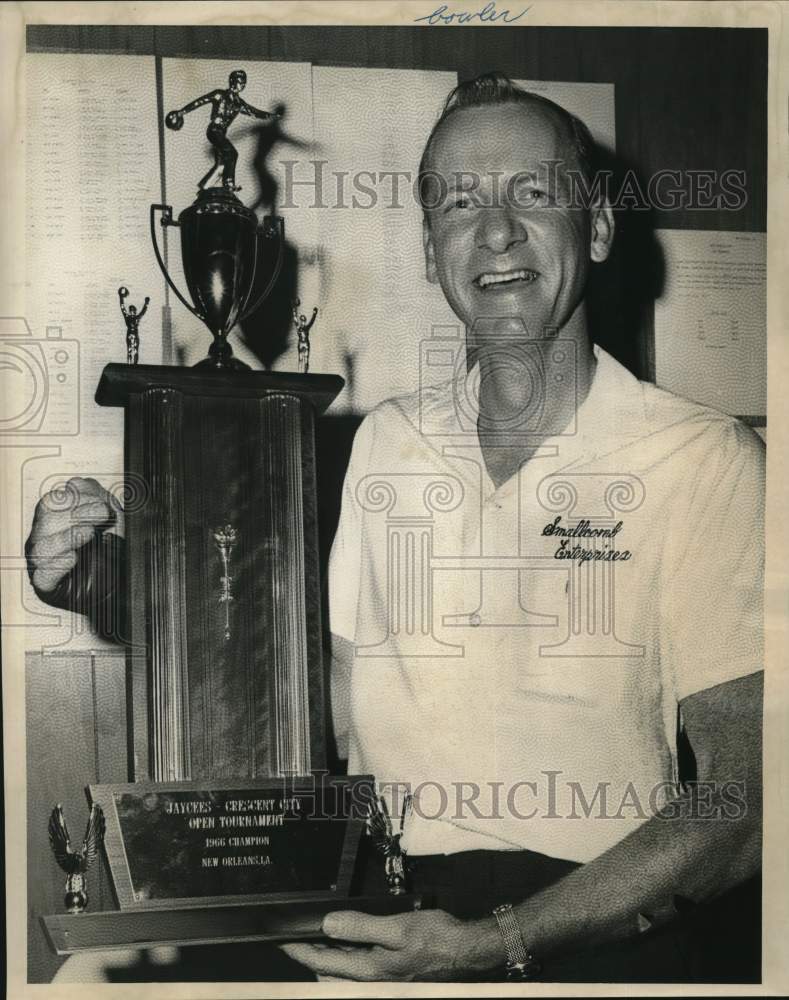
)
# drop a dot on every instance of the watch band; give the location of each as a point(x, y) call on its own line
point(521, 964)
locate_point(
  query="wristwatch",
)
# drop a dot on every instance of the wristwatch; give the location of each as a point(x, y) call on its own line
point(521, 965)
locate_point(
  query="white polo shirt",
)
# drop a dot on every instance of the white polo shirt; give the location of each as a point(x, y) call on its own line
point(521, 652)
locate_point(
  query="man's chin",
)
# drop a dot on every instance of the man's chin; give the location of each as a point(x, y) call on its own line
point(510, 325)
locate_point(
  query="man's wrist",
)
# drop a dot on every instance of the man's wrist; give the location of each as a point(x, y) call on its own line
point(521, 964)
point(482, 946)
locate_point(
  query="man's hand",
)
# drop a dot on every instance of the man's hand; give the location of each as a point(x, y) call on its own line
point(429, 945)
point(64, 521)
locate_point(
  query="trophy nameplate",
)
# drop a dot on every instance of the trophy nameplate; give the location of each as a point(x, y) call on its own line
point(229, 828)
point(229, 843)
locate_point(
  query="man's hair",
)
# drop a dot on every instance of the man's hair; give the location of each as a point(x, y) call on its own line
point(496, 88)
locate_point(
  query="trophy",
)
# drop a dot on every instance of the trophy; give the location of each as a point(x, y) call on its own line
point(132, 319)
point(230, 827)
point(303, 327)
point(222, 244)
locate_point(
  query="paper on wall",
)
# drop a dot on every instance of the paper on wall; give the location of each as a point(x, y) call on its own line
point(711, 320)
point(92, 172)
point(378, 305)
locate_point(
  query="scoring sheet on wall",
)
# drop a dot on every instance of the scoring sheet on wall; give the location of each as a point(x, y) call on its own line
point(371, 126)
point(711, 320)
point(92, 170)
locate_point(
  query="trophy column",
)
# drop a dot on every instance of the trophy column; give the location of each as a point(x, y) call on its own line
point(161, 427)
point(226, 672)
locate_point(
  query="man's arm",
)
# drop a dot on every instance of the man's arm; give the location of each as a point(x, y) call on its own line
point(696, 847)
point(76, 555)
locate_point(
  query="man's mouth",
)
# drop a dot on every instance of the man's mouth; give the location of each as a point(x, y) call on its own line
point(495, 279)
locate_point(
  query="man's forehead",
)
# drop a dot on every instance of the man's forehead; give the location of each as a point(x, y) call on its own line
point(499, 136)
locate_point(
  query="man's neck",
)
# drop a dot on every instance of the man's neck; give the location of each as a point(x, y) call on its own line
point(527, 392)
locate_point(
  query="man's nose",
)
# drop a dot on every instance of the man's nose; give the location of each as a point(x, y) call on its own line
point(500, 228)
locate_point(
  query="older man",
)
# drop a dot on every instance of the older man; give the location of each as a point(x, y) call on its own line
point(595, 554)
point(539, 732)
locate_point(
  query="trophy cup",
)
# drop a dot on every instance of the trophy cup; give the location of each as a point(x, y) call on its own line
point(222, 245)
point(230, 827)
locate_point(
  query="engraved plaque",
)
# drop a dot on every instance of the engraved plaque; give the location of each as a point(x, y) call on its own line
point(197, 842)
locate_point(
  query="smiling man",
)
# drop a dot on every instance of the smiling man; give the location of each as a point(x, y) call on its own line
point(536, 708)
point(547, 576)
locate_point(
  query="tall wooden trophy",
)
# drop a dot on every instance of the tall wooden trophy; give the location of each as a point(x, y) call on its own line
point(231, 829)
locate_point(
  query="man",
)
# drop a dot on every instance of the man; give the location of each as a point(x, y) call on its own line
point(528, 695)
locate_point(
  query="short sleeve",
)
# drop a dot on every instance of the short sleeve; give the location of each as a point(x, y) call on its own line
point(712, 619)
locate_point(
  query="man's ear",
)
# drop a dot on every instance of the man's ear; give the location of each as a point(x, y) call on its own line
point(431, 272)
point(602, 234)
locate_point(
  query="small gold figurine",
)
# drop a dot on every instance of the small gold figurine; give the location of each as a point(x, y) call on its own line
point(303, 327)
point(76, 863)
point(379, 826)
point(132, 318)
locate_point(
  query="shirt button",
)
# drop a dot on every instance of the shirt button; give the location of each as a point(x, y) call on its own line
point(475, 619)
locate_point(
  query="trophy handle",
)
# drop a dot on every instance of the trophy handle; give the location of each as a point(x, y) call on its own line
point(271, 224)
point(167, 220)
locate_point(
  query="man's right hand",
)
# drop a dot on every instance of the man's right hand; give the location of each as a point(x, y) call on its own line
point(61, 527)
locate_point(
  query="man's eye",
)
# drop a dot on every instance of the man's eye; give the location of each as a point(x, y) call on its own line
point(532, 196)
point(459, 201)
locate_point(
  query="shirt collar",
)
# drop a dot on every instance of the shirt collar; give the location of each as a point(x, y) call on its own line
point(611, 414)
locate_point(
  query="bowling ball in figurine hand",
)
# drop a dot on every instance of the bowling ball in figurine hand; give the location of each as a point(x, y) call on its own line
point(174, 120)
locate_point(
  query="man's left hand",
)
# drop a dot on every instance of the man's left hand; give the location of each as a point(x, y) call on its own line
point(429, 945)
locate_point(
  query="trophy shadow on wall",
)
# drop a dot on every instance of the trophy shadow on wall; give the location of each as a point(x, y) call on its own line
point(266, 330)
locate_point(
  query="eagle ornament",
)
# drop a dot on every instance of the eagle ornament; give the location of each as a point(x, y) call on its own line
point(380, 828)
point(76, 863)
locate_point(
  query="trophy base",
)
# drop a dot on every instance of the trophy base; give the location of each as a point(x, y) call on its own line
point(289, 920)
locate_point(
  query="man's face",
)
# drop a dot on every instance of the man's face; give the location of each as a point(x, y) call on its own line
point(237, 82)
point(512, 246)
